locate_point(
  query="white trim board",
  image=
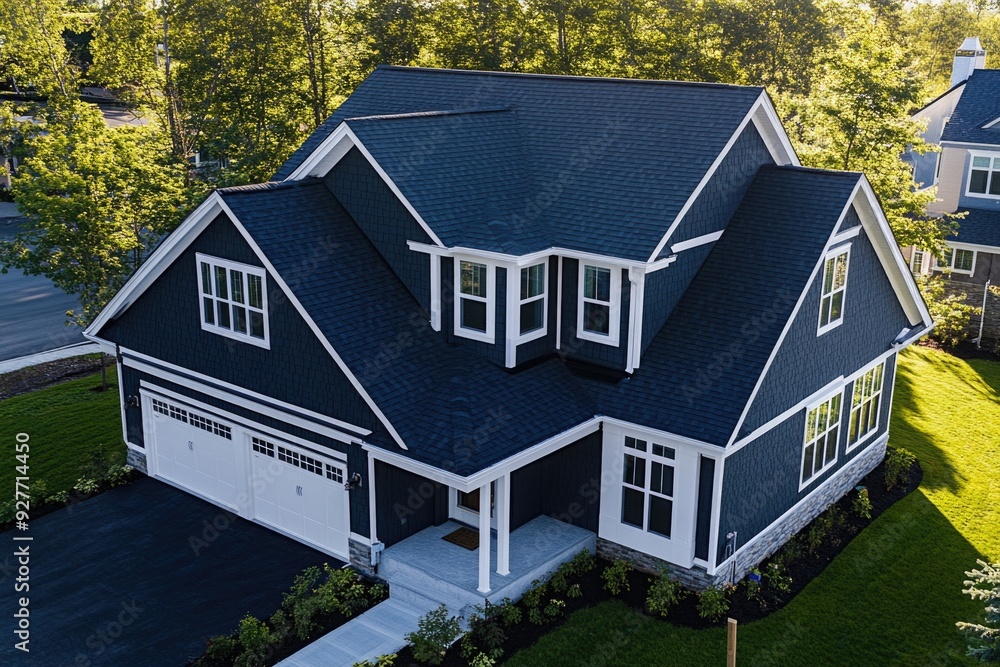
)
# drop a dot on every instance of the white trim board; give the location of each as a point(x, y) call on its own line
point(243, 422)
point(767, 118)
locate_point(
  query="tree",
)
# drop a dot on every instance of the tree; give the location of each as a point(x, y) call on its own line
point(498, 35)
point(32, 48)
point(857, 119)
point(984, 638)
point(96, 201)
point(951, 312)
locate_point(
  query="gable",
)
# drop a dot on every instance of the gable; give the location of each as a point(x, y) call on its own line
point(806, 363)
point(165, 323)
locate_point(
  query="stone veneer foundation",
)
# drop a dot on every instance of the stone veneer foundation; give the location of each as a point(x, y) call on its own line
point(766, 543)
point(137, 460)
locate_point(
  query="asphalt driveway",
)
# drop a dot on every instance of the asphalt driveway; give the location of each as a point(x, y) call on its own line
point(142, 575)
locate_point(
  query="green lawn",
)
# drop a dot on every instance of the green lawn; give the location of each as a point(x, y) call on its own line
point(893, 595)
point(65, 423)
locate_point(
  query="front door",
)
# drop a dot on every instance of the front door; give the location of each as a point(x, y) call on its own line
point(465, 507)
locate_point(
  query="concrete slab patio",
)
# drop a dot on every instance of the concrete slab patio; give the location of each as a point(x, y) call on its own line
point(143, 575)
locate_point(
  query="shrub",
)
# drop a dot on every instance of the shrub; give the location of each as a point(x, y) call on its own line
point(791, 552)
point(8, 511)
point(382, 661)
point(58, 498)
point(554, 609)
point(984, 638)
point(257, 641)
point(119, 475)
point(754, 586)
point(485, 635)
point(87, 486)
point(897, 467)
point(574, 591)
point(615, 576)
point(508, 613)
point(97, 465)
point(822, 526)
point(482, 660)
point(862, 505)
point(713, 602)
point(777, 578)
point(582, 563)
point(435, 633)
point(664, 593)
point(222, 649)
point(281, 625)
point(951, 313)
point(533, 597)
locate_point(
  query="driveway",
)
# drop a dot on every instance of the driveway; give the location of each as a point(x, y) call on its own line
point(143, 575)
point(32, 309)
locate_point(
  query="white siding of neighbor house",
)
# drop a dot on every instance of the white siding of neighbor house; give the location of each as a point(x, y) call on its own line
point(950, 183)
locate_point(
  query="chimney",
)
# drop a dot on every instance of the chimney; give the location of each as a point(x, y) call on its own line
point(970, 56)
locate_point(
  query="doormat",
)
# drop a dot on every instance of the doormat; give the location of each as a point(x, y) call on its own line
point(464, 537)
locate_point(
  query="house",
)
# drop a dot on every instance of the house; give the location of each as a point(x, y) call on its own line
point(565, 312)
point(965, 123)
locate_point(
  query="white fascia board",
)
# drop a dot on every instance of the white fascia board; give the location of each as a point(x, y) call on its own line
point(696, 242)
point(958, 245)
point(972, 145)
point(991, 123)
point(880, 234)
point(772, 131)
point(788, 325)
point(333, 149)
point(487, 475)
point(146, 387)
point(312, 325)
point(171, 248)
point(538, 255)
point(231, 393)
point(768, 118)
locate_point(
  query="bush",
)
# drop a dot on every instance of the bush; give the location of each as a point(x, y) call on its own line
point(822, 526)
point(382, 661)
point(615, 576)
point(897, 467)
point(754, 586)
point(222, 650)
point(435, 633)
point(257, 641)
point(87, 486)
point(554, 609)
point(951, 314)
point(862, 505)
point(119, 475)
point(713, 602)
point(777, 578)
point(984, 638)
point(574, 591)
point(664, 593)
point(485, 635)
point(508, 613)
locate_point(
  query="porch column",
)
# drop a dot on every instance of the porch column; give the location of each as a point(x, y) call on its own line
point(484, 538)
point(503, 525)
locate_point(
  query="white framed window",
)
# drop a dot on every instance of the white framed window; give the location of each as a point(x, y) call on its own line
point(233, 299)
point(533, 302)
point(475, 305)
point(957, 260)
point(866, 400)
point(984, 175)
point(819, 446)
point(918, 261)
point(831, 306)
point(599, 305)
point(648, 486)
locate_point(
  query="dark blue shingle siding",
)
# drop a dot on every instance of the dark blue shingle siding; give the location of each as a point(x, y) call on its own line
point(806, 363)
point(632, 150)
point(165, 323)
point(384, 220)
point(761, 480)
point(978, 106)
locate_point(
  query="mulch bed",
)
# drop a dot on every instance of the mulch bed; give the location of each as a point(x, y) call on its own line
point(967, 350)
point(802, 570)
point(47, 374)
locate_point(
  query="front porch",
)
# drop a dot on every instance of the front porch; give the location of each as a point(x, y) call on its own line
point(426, 567)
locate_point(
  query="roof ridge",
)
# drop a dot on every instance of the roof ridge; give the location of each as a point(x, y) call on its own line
point(267, 186)
point(422, 114)
point(569, 77)
point(814, 170)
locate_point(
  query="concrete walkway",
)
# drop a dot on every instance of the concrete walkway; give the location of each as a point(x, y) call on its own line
point(75, 350)
point(378, 631)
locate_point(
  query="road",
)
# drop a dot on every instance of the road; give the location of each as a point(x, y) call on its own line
point(32, 309)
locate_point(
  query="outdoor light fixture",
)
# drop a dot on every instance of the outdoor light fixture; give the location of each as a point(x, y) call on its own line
point(353, 482)
point(132, 401)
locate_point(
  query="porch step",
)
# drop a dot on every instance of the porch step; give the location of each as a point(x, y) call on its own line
point(378, 631)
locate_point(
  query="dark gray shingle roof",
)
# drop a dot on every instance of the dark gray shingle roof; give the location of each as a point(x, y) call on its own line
point(980, 226)
point(602, 165)
point(978, 106)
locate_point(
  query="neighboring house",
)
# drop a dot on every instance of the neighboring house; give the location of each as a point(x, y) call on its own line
point(965, 123)
point(618, 303)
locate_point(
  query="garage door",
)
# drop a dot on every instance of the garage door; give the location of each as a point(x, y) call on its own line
point(300, 493)
point(194, 451)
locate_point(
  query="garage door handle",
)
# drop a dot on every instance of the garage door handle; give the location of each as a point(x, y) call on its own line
point(298, 490)
point(191, 445)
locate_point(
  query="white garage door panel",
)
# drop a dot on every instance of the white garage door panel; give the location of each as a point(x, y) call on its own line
point(194, 451)
point(300, 494)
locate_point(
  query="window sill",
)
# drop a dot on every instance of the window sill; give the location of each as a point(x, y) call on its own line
point(819, 475)
point(471, 334)
point(865, 440)
point(531, 335)
point(597, 338)
point(982, 195)
point(225, 333)
point(938, 269)
point(829, 327)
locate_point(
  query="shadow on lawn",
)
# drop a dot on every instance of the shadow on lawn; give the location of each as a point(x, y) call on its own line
point(908, 430)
